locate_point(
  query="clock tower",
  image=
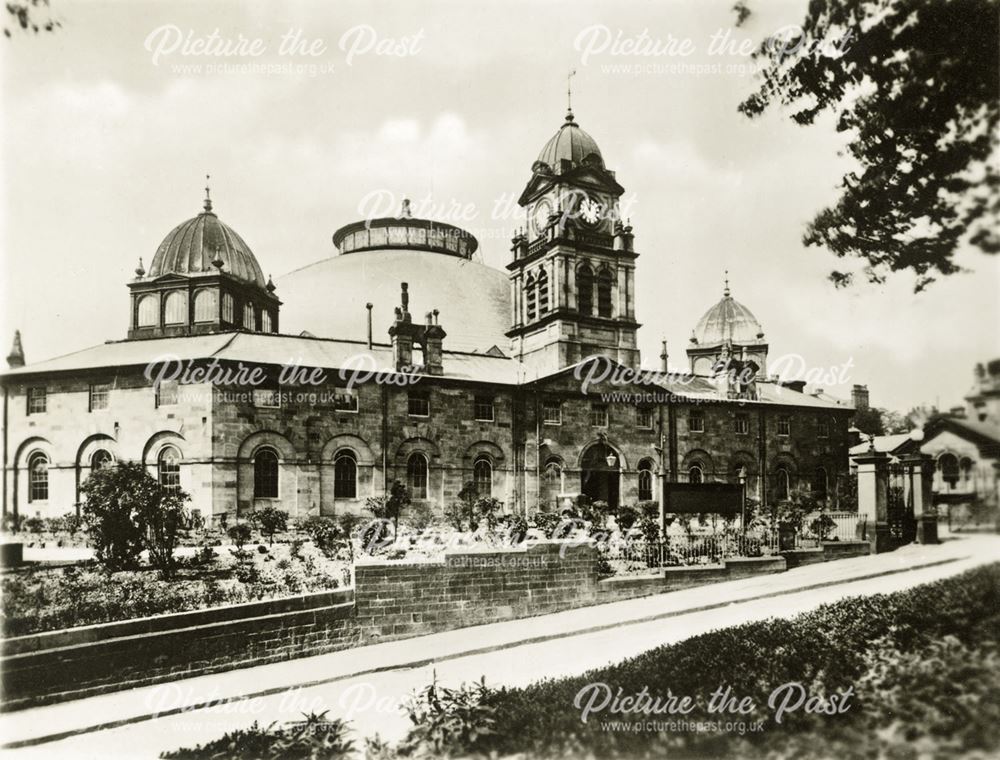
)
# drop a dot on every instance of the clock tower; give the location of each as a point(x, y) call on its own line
point(573, 270)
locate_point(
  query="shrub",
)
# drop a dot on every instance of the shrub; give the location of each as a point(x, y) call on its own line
point(487, 508)
point(313, 737)
point(389, 506)
point(649, 509)
point(448, 722)
point(270, 520)
point(821, 526)
point(33, 524)
point(324, 532)
point(420, 515)
point(546, 522)
point(626, 517)
point(515, 528)
point(376, 535)
point(239, 534)
point(126, 510)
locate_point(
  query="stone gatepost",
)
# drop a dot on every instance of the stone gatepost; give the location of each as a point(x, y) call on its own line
point(873, 494)
point(920, 476)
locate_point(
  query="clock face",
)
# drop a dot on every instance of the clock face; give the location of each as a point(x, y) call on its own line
point(540, 217)
point(590, 211)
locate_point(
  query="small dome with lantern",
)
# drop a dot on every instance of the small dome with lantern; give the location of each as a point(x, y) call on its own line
point(203, 278)
point(728, 325)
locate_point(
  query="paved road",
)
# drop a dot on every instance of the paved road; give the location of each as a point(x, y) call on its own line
point(366, 685)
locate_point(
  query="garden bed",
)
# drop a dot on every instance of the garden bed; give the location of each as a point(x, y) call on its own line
point(40, 598)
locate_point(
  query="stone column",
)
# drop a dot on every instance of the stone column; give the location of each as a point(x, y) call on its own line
point(920, 478)
point(873, 482)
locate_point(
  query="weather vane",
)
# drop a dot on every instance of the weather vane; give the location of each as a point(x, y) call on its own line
point(569, 92)
point(208, 193)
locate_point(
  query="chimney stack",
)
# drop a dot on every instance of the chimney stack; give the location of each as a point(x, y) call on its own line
point(434, 336)
point(859, 397)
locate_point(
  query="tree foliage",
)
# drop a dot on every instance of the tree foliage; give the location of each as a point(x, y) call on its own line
point(127, 510)
point(915, 86)
point(29, 16)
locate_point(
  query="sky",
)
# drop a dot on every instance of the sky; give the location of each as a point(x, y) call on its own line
point(111, 124)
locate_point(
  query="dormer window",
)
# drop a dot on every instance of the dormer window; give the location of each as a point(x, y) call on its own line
point(148, 311)
point(205, 306)
point(248, 320)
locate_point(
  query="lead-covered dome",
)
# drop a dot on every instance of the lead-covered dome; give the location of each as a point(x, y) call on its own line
point(194, 247)
point(572, 144)
point(728, 320)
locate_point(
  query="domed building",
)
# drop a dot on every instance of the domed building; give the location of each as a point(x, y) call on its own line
point(402, 358)
point(329, 298)
point(728, 328)
point(203, 278)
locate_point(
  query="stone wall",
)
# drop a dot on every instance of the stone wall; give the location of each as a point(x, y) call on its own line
point(472, 588)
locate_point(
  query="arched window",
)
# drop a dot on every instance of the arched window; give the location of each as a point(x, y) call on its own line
point(553, 472)
point(696, 473)
point(345, 476)
point(148, 308)
point(205, 306)
point(168, 468)
point(265, 474)
point(228, 309)
point(645, 480)
point(604, 293)
point(820, 483)
point(585, 290)
point(265, 321)
point(175, 309)
point(482, 476)
point(38, 477)
point(101, 460)
point(782, 483)
point(543, 292)
point(530, 296)
point(248, 320)
point(416, 476)
point(966, 467)
point(948, 467)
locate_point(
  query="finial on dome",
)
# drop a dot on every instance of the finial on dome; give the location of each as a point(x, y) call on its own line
point(569, 96)
point(208, 193)
point(725, 290)
point(218, 262)
point(270, 285)
point(404, 211)
point(140, 271)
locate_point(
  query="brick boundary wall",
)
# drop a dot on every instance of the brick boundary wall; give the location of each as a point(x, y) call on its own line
point(391, 600)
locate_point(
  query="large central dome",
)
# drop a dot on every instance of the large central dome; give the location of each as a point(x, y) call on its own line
point(571, 144)
point(728, 320)
point(328, 298)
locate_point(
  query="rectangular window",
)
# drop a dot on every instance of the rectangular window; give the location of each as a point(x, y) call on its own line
point(418, 404)
point(99, 393)
point(37, 400)
point(784, 425)
point(345, 399)
point(823, 429)
point(483, 408)
point(166, 393)
point(696, 422)
point(742, 424)
point(552, 413)
point(267, 398)
point(644, 417)
point(599, 415)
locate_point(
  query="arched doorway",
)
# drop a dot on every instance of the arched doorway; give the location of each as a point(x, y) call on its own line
point(600, 473)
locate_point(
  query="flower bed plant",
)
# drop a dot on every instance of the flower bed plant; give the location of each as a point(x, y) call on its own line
point(39, 598)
